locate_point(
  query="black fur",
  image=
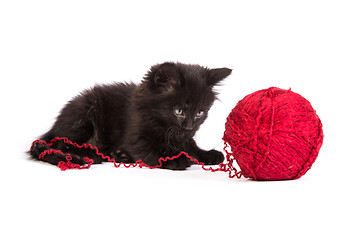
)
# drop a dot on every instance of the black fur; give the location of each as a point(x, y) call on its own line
point(156, 118)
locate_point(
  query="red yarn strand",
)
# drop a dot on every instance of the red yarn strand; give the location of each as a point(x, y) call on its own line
point(224, 167)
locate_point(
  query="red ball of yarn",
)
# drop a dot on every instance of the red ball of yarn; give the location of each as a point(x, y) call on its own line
point(274, 134)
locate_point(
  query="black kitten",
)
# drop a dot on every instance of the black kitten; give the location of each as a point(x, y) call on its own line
point(157, 118)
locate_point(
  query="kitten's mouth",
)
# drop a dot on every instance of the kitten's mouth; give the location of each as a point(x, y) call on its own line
point(178, 133)
point(188, 132)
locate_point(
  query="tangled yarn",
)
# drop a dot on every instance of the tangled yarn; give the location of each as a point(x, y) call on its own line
point(273, 134)
point(68, 163)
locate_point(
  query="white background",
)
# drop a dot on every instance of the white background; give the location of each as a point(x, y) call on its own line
point(50, 51)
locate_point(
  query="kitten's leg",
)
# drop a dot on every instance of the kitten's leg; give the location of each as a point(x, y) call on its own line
point(75, 122)
point(180, 163)
point(42, 152)
point(212, 157)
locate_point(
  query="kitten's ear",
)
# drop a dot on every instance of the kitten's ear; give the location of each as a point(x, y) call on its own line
point(218, 74)
point(166, 76)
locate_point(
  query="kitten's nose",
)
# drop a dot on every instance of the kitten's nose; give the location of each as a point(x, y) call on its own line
point(188, 126)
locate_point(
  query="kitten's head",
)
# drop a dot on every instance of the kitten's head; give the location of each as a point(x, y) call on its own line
point(181, 95)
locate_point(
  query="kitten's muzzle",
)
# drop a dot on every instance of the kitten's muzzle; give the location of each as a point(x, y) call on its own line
point(187, 125)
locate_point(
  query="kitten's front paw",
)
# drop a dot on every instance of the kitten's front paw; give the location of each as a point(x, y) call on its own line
point(212, 157)
point(121, 156)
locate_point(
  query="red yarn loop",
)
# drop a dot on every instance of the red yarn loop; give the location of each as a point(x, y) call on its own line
point(273, 134)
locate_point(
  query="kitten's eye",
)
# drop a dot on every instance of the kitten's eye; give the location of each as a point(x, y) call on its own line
point(200, 114)
point(178, 112)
